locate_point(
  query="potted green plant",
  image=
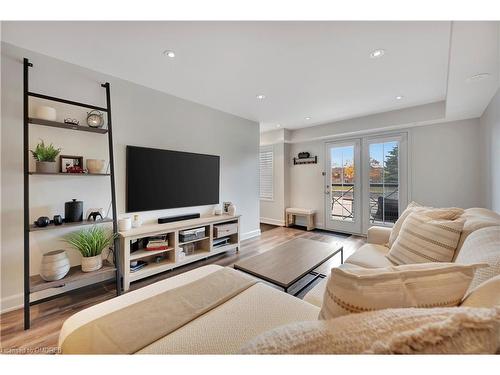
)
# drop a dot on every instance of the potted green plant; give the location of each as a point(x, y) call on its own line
point(90, 243)
point(45, 157)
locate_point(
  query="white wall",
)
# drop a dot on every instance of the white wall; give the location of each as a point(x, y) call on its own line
point(490, 137)
point(444, 168)
point(142, 117)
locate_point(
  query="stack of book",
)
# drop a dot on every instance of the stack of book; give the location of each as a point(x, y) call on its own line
point(157, 243)
point(135, 266)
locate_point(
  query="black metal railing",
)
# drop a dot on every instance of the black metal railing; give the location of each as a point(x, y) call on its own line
point(384, 204)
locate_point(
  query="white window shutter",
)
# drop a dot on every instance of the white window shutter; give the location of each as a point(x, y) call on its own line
point(266, 172)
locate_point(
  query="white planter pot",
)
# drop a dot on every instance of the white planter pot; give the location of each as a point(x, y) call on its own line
point(55, 265)
point(90, 264)
point(46, 166)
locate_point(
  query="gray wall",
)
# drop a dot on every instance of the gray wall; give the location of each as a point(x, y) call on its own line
point(490, 135)
point(142, 117)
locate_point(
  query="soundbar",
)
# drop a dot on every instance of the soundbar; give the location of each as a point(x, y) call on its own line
point(170, 219)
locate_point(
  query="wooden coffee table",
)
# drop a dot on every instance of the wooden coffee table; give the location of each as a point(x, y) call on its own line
point(286, 264)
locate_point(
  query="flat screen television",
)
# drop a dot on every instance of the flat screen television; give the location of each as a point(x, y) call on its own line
point(160, 179)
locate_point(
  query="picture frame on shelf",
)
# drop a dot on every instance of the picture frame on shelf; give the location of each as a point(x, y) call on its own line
point(225, 207)
point(71, 164)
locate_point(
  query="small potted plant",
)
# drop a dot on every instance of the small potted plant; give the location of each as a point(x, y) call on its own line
point(90, 243)
point(45, 157)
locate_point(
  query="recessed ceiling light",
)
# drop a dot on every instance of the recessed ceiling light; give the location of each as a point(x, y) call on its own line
point(278, 125)
point(377, 53)
point(169, 53)
point(478, 77)
point(399, 97)
point(307, 118)
point(261, 96)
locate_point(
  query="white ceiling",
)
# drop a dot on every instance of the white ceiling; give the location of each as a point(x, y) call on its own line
point(317, 69)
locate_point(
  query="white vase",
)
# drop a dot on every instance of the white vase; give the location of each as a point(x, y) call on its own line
point(46, 113)
point(55, 265)
point(90, 264)
point(231, 210)
point(125, 224)
point(137, 222)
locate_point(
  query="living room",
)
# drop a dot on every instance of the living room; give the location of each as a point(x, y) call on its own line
point(250, 187)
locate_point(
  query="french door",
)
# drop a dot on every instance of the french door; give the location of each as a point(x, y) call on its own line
point(366, 182)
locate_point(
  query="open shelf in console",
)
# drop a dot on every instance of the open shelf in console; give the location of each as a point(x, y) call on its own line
point(199, 246)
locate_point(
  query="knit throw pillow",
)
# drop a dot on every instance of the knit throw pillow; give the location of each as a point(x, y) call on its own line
point(450, 213)
point(456, 330)
point(424, 239)
point(357, 290)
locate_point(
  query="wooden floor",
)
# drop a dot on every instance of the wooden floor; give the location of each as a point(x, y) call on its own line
point(48, 317)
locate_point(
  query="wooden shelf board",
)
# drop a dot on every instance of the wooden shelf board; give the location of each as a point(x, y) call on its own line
point(197, 240)
point(227, 247)
point(142, 253)
point(34, 228)
point(152, 269)
point(75, 274)
point(62, 125)
point(153, 229)
point(69, 174)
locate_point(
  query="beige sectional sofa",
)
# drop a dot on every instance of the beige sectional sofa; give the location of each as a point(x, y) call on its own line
point(226, 328)
point(373, 253)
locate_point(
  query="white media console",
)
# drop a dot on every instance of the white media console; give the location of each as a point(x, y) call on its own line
point(172, 257)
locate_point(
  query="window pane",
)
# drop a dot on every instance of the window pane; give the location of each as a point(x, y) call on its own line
point(343, 180)
point(384, 182)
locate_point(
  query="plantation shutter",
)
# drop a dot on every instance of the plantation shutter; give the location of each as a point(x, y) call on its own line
point(266, 172)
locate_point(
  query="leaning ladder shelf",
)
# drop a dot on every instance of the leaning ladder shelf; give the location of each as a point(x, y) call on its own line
point(34, 283)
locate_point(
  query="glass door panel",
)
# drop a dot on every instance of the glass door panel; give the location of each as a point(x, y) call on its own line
point(342, 189)
point(385, 190)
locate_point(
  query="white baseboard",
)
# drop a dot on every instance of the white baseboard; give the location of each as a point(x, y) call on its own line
point(247, 235)
point(267, 220)
point(11, 303)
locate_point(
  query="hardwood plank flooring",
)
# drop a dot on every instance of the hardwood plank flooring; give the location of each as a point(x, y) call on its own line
point(48, 317)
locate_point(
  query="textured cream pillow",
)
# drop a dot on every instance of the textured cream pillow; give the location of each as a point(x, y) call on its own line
point(450, 213)
point(454, 330)
point(356, 290)
point(482, 246)
point(486, 294)
point(423, 239)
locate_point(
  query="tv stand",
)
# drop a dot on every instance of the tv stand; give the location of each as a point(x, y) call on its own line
point(174, 256)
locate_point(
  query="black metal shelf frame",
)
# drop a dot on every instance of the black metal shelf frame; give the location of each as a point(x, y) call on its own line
point(27, 173)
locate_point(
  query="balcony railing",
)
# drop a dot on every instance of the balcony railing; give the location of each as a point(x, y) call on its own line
point(384, 198)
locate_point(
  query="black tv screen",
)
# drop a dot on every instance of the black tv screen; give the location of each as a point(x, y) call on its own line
point(160, 179)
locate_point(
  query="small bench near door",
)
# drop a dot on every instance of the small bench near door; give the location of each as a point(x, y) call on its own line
point(291, 213)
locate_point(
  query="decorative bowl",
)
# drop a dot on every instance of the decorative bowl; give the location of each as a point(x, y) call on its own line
point(95, 165)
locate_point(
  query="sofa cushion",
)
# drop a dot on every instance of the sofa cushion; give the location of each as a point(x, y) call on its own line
point(316, 294)
point(486, 294)
point(391, 331)
point(356, 290)
point(423, 239)
point(370, 256)
point(451, 213)
point(482, 246)
point(475, 219)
